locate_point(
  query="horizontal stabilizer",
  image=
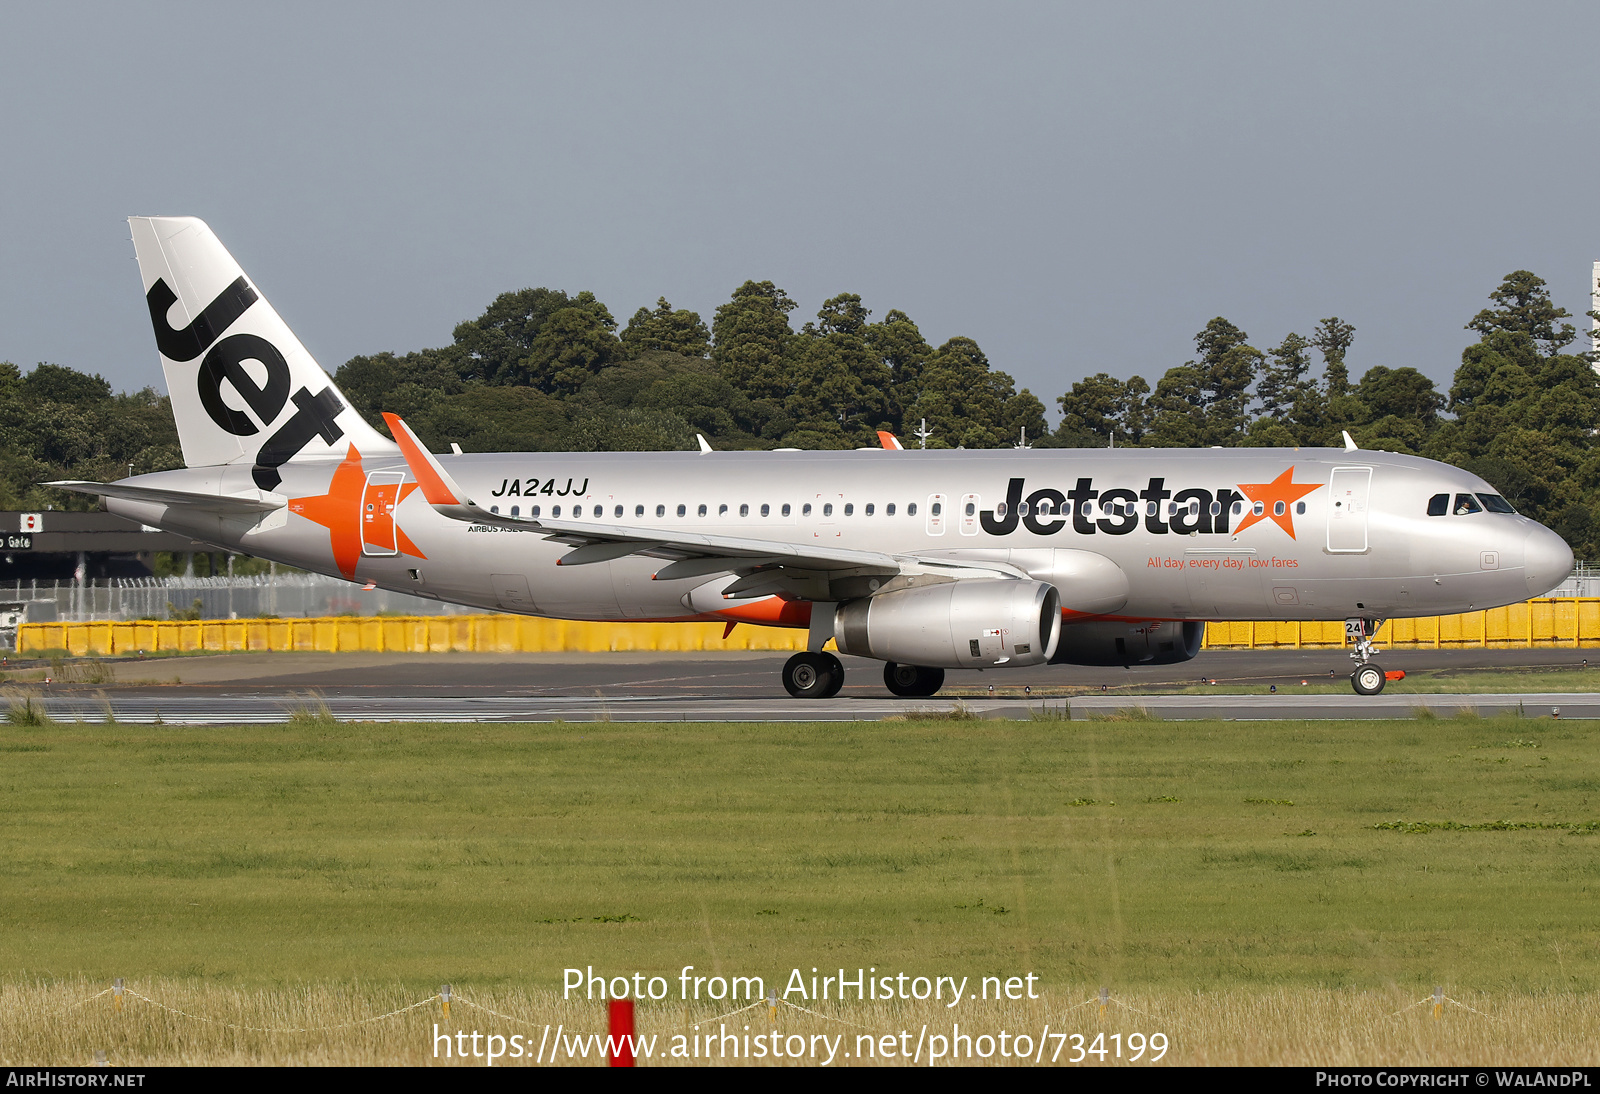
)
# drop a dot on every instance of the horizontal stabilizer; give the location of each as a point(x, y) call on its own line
point(216, 503)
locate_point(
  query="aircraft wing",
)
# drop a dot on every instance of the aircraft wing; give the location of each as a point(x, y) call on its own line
point(216, 503)
point(765, 564)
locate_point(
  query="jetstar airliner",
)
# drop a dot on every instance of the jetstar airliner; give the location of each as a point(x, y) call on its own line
point(926, 561)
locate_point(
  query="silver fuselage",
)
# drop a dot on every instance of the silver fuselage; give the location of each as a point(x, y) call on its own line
point(1364, 544)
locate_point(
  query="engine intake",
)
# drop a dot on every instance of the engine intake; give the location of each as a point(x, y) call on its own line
point(959, 624)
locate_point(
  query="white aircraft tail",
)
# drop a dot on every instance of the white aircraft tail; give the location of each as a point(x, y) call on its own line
point(243, 387)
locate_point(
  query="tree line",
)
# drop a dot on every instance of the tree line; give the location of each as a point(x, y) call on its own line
point(541, 370)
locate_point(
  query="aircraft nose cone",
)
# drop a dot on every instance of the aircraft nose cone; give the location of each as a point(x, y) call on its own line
point(1546, 560)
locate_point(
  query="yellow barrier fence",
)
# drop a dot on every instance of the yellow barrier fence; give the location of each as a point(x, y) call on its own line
point(1567, 622)
point(402, 634)
point(1546, 623)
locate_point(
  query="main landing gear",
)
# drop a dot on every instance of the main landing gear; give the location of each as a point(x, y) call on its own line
point(912, 682)
point(813, 676)
point(1369, 678)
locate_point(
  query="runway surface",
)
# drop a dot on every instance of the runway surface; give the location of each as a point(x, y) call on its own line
point(245, 709)
point(273, 687)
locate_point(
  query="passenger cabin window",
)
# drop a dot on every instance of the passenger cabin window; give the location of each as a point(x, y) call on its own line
point(514, 511)
point(534, 511)
point(971, 508)
point(1278, 508)
point(938, 508)
point(495, 509)
point(766, 510)
point(555, 510)
point(1238, 507)
point(888, 510)
point(1466, 503)
point(805, 510)
point(911, 509)
point(1259, 508)
point(827, 509)
point(683, 510)
point(722, 511)
point(1299, 508)
point(661, 510)
point(702, 510)
point(1495, 503)
point(638, 510)
point(1439, 505)
point(785, 511)
point(617, 512)
point(869, 508)
point(849, 509)
point(744, 510)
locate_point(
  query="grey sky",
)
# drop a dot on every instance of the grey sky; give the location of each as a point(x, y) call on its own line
point(1078, 187)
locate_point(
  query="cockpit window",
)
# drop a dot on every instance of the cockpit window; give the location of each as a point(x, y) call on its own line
point(1466, 503)
point(1495, 503)
point(1439, 505)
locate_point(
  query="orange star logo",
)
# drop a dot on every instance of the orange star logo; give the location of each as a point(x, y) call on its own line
point(340, 511)
point(1276, 499)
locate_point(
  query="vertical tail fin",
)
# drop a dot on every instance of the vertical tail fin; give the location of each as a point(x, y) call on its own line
point(243, 387)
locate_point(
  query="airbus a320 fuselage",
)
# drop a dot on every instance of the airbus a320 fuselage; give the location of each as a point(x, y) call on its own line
point(924, 560)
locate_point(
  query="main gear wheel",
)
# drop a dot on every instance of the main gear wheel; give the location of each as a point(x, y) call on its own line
point(813, 676)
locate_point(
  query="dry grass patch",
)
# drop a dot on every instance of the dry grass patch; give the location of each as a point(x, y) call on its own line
point(180, 1022)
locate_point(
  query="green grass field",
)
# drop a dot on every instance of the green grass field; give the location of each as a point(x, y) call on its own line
point(1142, 855)
point(1240, 681)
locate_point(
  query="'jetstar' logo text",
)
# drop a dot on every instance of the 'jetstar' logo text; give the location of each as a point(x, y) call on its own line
point(1119, 511)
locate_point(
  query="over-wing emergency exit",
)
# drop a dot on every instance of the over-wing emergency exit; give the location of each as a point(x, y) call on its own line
point(924, 560)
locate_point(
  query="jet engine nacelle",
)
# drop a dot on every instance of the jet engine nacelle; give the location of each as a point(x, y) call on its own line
point(1156, 643)
point(966, 624)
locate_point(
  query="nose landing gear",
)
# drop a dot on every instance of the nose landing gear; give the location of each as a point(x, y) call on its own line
point(1369, 678)
point(813, 676)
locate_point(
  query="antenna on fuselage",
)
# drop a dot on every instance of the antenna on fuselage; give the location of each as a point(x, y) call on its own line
point(1022, 439)
point(1349, 441)
point(922, 433)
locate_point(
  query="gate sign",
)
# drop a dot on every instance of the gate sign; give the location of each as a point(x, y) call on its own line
point(32, 522)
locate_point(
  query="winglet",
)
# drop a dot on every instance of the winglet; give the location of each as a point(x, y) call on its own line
point(437, 485)
point(890, 441)
point(1349, 441)
point(705, 445)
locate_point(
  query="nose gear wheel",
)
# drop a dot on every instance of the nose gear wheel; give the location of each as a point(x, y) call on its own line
point(1368, 679)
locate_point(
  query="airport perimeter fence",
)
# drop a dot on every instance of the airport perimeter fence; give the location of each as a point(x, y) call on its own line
point(1546, 623)
point(259, 596)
